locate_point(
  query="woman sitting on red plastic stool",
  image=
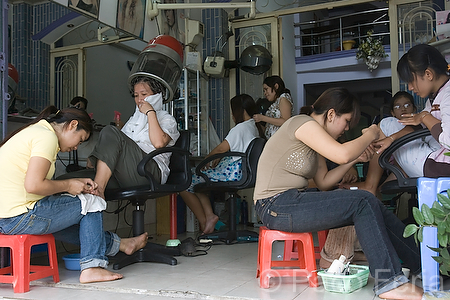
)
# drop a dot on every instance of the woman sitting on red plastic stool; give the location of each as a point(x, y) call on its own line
point(32, 203)
point(296, 153)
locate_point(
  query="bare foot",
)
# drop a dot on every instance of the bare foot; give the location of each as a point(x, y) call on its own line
point(101, 195)
point(406, 291)
point(98, 275)
point(210, 223)
point(131, 245)
point(100, 192)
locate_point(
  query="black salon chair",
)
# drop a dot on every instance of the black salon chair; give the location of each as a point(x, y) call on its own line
point(403, 183)
point(179, 180)
point(249, 164)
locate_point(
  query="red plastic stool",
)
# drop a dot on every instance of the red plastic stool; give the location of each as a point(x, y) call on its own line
point(305, 265)
point(21, 272)
point(291, 251)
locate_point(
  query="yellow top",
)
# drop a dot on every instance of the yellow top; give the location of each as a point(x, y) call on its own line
point(36, 140)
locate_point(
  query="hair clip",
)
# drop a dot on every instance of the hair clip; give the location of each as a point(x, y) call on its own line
point(51, 116)
point(78, 106)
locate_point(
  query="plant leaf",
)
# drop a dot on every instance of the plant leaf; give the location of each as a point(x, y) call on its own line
point(445, 255)
point(435, 249)
point(443, 269)
point(418, 215)
point(420, 234)
point(438, 212)
point(410, 229)
point(446, 210)
point(443, 240)
point(436, 204)
point(438, 259)
point(444, 201)
point(427, 215)
point(447, 221)
point(442, 227)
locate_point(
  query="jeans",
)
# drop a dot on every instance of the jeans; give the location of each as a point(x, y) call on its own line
point(379, 231)
point(61, 216)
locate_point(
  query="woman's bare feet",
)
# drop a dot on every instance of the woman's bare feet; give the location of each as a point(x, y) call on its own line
point(99, 191)
point(210, 224)
point(407, 291)
point(131, 245)
point(101, 194)
point(98, 275)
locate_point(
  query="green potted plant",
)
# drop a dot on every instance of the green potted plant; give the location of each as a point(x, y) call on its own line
point(372, 51)
point(436, 216)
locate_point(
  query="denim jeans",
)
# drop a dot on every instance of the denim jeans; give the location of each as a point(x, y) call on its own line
point(61, 216)
point(379, 231)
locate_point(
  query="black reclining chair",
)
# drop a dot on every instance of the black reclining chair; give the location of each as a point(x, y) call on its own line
point(179, 180)
point(403, 184)
point(249, 164)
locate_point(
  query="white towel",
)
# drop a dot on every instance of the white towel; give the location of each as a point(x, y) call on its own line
point(136, 128)
point(91, 203)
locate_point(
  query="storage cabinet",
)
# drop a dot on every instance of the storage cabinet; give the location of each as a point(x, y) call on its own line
point(191, 110)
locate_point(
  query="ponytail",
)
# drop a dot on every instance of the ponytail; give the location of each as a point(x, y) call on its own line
point(307, 110)
point(339, 99)
point(245, 102)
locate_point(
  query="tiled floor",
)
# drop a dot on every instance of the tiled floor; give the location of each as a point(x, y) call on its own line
point(226, 272)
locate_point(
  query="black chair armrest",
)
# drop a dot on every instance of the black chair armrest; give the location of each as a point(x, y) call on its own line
point(141, 168)
point(198, 169)
point(403, 181)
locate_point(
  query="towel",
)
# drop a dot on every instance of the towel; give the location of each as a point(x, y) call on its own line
point(136, 128)
point(91, 203)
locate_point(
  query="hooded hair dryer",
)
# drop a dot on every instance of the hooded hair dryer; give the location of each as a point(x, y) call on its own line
point(161, 59)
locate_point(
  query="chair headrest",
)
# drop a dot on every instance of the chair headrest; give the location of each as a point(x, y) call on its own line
point(183, 141)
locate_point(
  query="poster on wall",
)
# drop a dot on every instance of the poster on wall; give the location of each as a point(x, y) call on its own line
point(443, 24)
point(89, 7)
point(130, 16)
point(173, 22)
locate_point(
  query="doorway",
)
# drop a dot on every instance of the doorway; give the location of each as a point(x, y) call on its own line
point(67, 71)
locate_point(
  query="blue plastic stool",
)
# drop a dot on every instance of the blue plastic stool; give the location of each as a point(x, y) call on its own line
point(427, 189)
